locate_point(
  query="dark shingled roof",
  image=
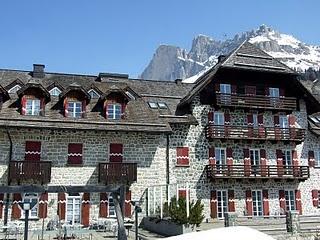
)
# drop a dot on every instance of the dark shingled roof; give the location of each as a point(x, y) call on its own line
point(138, 115)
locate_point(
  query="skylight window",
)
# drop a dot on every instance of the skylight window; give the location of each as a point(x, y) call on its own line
point(130, 95)
point(314, 119)
point(93, 94)
point(153, 105)
point(162, 105)
point(55, 91)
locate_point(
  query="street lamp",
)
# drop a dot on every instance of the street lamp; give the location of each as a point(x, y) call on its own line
point(27, 205)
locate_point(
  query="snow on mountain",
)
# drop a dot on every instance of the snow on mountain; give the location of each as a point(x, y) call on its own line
point(170, 62)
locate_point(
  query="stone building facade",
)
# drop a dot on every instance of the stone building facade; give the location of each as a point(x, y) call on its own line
point(240, 147)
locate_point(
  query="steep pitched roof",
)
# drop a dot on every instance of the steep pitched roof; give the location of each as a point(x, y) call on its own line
point(247, 57)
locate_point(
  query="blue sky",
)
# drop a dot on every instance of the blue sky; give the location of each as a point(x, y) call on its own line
point(78, 36)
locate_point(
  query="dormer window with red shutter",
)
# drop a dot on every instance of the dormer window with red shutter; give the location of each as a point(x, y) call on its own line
point(75, 100)
point(33, 98)
point(114, 104)
point(114, 111)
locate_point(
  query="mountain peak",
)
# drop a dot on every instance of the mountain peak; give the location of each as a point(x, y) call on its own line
point(172, 62)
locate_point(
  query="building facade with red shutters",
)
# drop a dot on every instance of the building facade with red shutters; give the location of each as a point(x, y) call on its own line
point(244, 136)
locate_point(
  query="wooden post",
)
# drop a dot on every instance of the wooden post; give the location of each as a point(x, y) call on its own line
point(121, 229)
point(161, 204)
point(187, 199)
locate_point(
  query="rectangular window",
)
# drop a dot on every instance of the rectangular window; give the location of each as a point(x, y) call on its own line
point(221, 159)
point(219, 118)
point(75, 153)
point(73, 209)
point(114, 111)
point(274, 92)
point(183, 156)
point(111, 207)
point(31, 198)
point(255, 120)
point(33, 107)
point(116, 152)
point(32, 151)
point(74, 109)
point(222, 203)
point(255, 160)
point(290, 200)
point(287, 161)
point(257, 203)
point(225, 90)
point(317, 158)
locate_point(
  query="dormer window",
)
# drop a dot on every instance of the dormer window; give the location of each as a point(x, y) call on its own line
point(14, 89)
point(114, 111)
point(75, 109)
point(55, 91)
point(93, 94)
point(33, 107)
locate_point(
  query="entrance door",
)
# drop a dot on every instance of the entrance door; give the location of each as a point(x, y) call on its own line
point(222, 203)
point(257, 203)
point(219, 123)
point(255, 161)
point(287, 162)
point(221, 161)
point(284, 126)
point(73, 209)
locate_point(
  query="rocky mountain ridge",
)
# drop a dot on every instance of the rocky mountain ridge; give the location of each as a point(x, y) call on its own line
point(171, 62)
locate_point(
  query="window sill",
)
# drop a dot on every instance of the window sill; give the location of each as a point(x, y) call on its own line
point(30, 219)
point(74, 165)
point(182, 165)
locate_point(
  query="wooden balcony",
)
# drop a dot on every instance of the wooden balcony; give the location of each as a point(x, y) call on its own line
point(251, 133)
point(117, 172)
point(256, 101)
point(257, 172)
point(38, 171)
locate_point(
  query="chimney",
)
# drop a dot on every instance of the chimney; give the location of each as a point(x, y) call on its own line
point(221, 58)
point(38, 70)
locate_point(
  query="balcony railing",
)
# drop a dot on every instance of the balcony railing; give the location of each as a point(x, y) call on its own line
point(37, 171)
point(252, 133)
point(117, 172)
point(256, 101)
point(257, 172)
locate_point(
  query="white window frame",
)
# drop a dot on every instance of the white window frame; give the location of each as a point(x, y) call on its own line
point(93, 94)
point(55, 91)
point(34, 106)
point(257, 203)
point(218, 118)
point(73, 198)
point(111, 207)
point(225, 88)
point(222, 203)
point(33, 213)
point(290, 200)
point(114, 114)
point(72, 107)
point(255, 120)
point(317, 158)
point(287, 158)
point(220, 160)
point(274, 92)
point(14, 89)
point(284, 121)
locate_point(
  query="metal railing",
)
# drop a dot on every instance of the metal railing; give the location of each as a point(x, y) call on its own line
point(117, 172)
point(255, 133)
point(39, 171)
point(256, 101)
point(257, 171)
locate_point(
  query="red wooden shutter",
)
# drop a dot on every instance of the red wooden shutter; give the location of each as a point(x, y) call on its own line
point(213, 204)
point(277, 131)
point(32, 151)
point(282, 201)
point(43, 205)
point(83, 105)
point(1, 204)
point(292, 125)
point(279, 162)
point(229, 160)
point(247, 162)
point(276, 120)
point(123, 109)
point(281, 92)
point(261, 129)
point(249, 202)
point(298, 201)
point(23, 105)
point(315, 198)
point(226, 124)
point(85, 209)
point(311, 160)
point(231, 205)
point(104, 204)
point(62, 206)
point(182, 156)
point(74, 153)
point(182, 193)
point(127, 205)
point(250, 125)
point(105, 108)
point(211, 117)
point(16, 211)
point(116, 152)
point(295, 160)
point(212, 157)
point(263, 162)
point(267, 91)
point(233, 89)
point(65, 107)
point(265, 196)
point(42, 106)
point(250, 90)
